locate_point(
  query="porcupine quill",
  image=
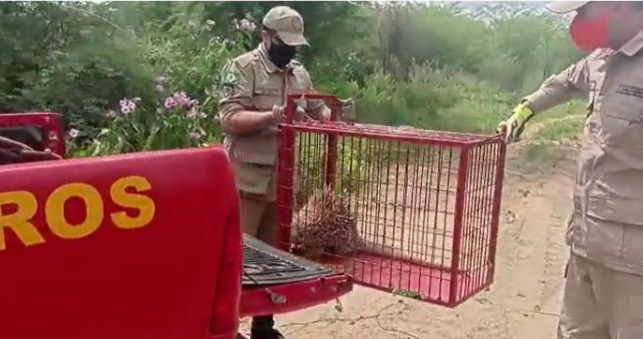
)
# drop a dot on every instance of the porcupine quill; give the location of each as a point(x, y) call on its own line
point(326, 225)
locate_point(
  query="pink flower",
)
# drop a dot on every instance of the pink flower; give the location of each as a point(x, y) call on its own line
point(247, 25)
point(128, 105)
point(73, 133)
point(169, 102)
point(196, 135)
point(181, 98)
point(244, 25)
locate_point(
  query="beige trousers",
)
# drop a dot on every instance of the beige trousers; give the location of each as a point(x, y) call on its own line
point(600, 303)
point(259, 218)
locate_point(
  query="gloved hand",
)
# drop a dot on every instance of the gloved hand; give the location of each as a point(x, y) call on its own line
point(279, 113)
point(513, 127)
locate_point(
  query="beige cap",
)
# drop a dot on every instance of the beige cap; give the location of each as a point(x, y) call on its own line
point(288, 24)
point(563, 7)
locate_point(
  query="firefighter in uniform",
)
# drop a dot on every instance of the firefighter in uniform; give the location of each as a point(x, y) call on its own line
point(255, 86)
point(603, 294)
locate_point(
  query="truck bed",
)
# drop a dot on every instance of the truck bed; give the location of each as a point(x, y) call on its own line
point(264, 265)
point(277, 282)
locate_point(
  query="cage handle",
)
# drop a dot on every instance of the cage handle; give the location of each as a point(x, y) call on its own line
point(490, 139)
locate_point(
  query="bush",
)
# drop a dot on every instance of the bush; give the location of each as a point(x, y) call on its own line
point(181, 110)
point(443, 66)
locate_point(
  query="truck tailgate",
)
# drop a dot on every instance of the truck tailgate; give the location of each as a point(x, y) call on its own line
point(277, 282)
point(264, 265)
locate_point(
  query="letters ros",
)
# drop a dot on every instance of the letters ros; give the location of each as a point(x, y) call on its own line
point(20, 219)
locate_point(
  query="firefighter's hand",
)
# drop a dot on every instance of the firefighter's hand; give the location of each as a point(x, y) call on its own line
point(347, 110)
point(279, 113)
point(513, 127)
point(300, 114)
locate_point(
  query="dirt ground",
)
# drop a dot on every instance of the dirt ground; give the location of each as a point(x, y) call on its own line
point(522, 303)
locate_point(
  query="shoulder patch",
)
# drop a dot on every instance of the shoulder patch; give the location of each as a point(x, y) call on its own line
point(229, 82)
point(230, 75)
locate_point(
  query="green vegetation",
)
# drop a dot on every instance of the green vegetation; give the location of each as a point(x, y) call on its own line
point(134, 76)
point(407, 294)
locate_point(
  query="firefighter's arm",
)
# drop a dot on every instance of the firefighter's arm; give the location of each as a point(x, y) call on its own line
point(317, 109)
point(556, 90)
point(236, 113)
point(344, 114)
point(322, 112)
point(559, 88)
point(240, 121)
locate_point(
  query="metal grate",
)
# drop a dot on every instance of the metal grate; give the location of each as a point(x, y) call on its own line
point(264, 265)
point(426, 203)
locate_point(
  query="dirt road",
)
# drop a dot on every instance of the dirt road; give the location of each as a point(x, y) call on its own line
point(524, 301)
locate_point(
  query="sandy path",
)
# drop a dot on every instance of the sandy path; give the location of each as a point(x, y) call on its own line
point(522, 303)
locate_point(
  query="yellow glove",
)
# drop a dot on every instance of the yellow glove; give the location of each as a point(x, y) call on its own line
point(513, 127)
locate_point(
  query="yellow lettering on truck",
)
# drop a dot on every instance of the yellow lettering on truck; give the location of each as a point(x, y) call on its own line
point(18, 209)
point(144, 205)
point(18, 221)
point(55, 210)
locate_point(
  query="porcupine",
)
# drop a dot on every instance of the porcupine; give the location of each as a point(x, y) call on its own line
point(326, 225)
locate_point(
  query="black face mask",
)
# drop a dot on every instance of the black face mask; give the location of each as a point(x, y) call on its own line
point(281, 54)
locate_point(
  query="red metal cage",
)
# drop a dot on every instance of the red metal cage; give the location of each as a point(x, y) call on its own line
point(427, 203)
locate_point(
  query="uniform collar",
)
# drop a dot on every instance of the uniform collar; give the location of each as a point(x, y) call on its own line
point(633, 46)
point(270, 66)
point(263, 53)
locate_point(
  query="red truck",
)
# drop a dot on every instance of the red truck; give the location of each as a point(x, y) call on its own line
point(126, 247)
point(123, 247)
